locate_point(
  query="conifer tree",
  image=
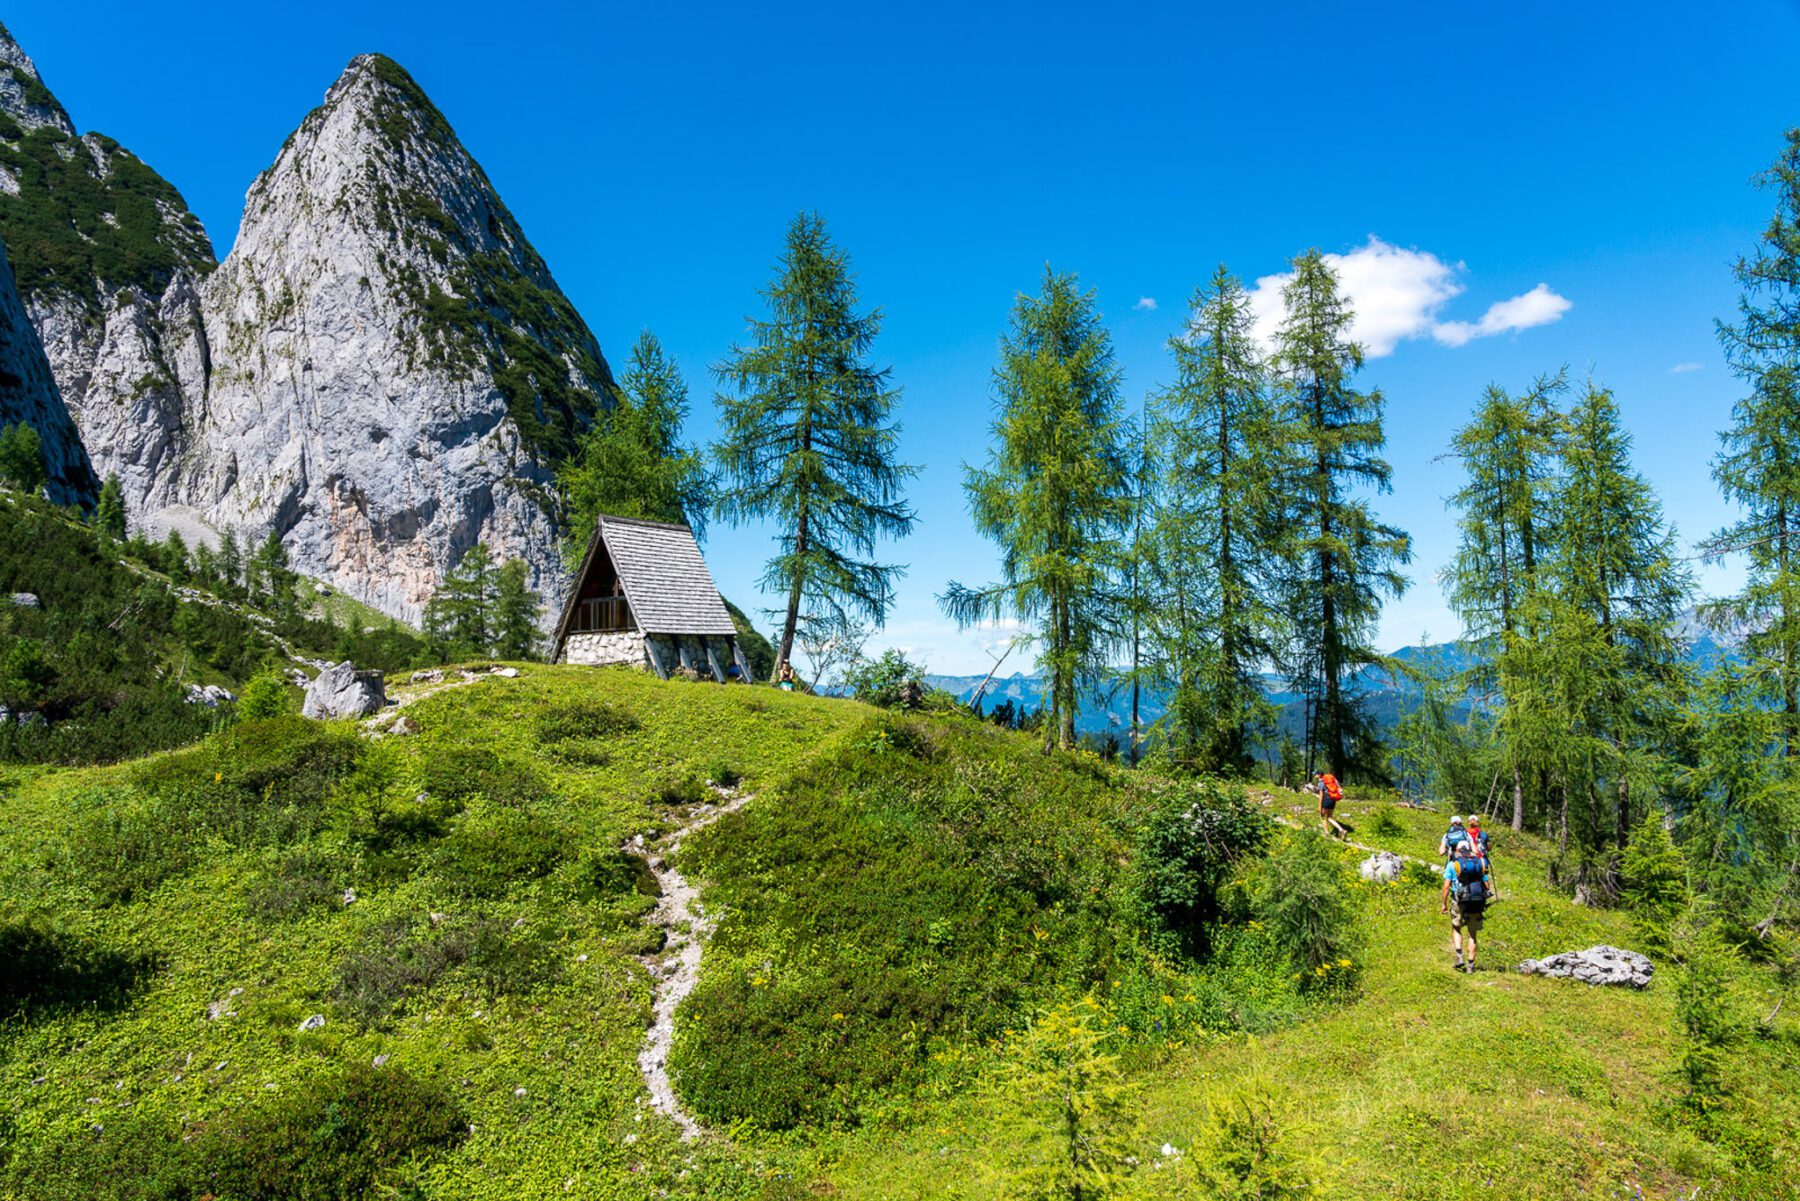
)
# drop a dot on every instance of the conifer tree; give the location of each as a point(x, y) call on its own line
point(1509, 452)
point(1207, 550)
point(175, 557)
point(1056, 492)
point(1341, 560)
point(631, 462)
point(1611, 594)
point(459, 616)
point(109, 513)
point(516, 610)
point(809, 441)
point(1759, 467)
point(230, 562)
point(22, 459)
point(273, 583)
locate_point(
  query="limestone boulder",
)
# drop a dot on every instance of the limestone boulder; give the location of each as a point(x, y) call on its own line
point(1383, 867)
point(1596, 965)
point(342, 691)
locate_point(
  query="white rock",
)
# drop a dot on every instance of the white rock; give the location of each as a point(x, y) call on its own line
point(315, 1022)
point(1596, 965)
point(343, 691)
point(1383, 867)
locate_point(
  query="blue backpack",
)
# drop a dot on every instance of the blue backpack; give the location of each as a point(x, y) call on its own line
point(1471, 885)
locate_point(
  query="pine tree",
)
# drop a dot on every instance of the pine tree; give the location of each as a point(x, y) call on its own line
point(1056, 492)
point(809, 439)
point(175, 557)
point(22, 459)
point(459, 617)
point(631, 462)
point(516, 610)
point(1759, 468)
point(230, 563)
point(1342, 560)
point(271, 581)
point(1509, 452)
point(109, 513)
point(1613, 588)
point(1207, 550)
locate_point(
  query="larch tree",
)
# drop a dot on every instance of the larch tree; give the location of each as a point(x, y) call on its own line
point(1207, 548)
point(1508, 451)
point(516, 612)
point(459, 617)
point(1342, 560)
point(109, 512)
point(1759, 465)
point(1613, 590)
point(1056, 493)
point(809, 441)
point(631, 462)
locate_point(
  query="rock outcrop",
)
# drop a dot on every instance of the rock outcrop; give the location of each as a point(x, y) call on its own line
point(1383, 867)
point(108, 261)
point(1596, 965)
point(393, 369)
point(342, 691)
point(28, 394)
point(382, 371)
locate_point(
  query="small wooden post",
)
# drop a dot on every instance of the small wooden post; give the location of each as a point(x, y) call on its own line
point(655, 656)
point(737, 655)
point(713, 660)
point(685, 652)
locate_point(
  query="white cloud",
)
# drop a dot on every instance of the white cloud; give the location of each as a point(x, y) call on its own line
point(1145, 304)
point(1395, 294)
point(1684, 368)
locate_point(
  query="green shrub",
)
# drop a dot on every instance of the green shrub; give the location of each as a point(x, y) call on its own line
point(1188, 848)
point(302, 880)
point(609, 874)
point(464, 773)
point(268, 694)
point(492, 849)
point(1080, 1102)
point(1304, 898)
point(45, 970)
point(1386, 823)
point(122, 844)
point(887, 682)
point(342, 1136)
point(392, 961)
point(1704, 1013)
point(1242, 1153)
point(892, 897)
point(583, 721)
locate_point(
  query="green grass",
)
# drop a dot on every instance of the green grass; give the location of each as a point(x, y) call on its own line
point(934, 880)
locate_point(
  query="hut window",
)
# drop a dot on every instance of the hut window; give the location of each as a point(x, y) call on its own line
point(598, 614)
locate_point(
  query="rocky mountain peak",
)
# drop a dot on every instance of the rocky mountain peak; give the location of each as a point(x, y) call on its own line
point(394, 371)
point(23, 96)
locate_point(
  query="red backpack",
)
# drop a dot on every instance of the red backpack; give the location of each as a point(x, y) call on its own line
point(1333, 789)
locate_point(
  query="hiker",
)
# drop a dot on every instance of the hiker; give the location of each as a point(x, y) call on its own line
point(1452, 836)
point(1478, 838)
point(1465, 895)
point(1330, 793)
point(784, 679)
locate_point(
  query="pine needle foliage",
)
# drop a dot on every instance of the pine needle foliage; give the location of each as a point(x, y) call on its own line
point(631, 461)
point(1056, 493)
point(809, 441)
point(1208, 549)
point(1342, 560)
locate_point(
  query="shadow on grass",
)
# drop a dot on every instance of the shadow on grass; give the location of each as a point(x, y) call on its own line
point(42, 972)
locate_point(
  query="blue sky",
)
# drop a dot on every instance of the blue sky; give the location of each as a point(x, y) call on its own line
point(654, 154)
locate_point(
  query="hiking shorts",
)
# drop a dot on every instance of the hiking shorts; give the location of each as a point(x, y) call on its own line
point(1460, 921)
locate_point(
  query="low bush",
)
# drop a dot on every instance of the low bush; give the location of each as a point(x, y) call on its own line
point(890, 899)
point(1188, 847)
point(465, 773)
point(123, 844)
point(492, 849)
point(1655, 883)
point(42, 970)
point(1386, 823)
point(302, 880)
point(610, 874)
point(393, 961)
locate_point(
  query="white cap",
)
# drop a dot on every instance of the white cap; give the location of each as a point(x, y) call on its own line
point(1464, 845)
point(1456, 821)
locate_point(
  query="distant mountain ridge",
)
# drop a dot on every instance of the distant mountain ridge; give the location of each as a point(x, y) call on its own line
point(1107, 708)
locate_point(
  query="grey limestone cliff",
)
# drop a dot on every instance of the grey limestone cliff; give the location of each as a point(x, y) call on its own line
point(28, 394)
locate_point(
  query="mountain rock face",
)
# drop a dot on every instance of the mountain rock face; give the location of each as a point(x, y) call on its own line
point(393, 369)
point(28, 394)
point(382, 371)
point(108, 262)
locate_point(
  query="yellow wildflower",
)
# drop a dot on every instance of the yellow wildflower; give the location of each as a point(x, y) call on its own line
point(837, 1017)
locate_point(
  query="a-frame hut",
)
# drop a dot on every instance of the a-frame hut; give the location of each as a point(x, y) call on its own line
point(644, 597)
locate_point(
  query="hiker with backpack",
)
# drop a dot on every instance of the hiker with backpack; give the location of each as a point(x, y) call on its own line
point(1447, 844)
point(1479, 840)
point(1467, 890)
point(1330, 793)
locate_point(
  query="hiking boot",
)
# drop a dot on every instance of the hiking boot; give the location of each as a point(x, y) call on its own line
point(1459, 962)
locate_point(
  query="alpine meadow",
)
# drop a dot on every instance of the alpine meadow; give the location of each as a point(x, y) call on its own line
point(838, 691)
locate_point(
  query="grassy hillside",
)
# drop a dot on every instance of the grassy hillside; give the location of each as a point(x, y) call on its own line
point(898, 901)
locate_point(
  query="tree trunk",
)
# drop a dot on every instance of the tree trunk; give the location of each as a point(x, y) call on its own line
point(1518, 821)
point(793, 605)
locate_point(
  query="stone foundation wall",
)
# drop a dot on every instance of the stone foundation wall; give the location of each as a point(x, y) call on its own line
point(603, 650)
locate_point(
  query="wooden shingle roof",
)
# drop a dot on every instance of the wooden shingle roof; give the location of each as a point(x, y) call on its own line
point(667, 585)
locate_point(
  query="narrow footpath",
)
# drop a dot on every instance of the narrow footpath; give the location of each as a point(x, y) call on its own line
point(675, 969)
